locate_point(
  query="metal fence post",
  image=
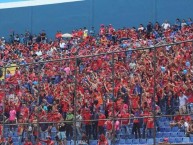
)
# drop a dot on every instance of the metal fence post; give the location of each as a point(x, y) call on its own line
point(113, 77)
point(75, 98)
point(4, 96)
point(154, 94)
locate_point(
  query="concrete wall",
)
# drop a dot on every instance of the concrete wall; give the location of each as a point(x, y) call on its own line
point(69, 16)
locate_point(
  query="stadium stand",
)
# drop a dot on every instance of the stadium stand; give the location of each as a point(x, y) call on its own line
point(98, 88)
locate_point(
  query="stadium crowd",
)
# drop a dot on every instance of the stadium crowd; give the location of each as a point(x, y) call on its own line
point(113, 90)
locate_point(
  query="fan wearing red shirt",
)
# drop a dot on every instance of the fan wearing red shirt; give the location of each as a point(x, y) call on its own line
point(1, 129)
point(102, 140)
point(38, 142)
point(2, 140)
point(65, 107)
point(101, 123)
point(150, 125)
point(87, 116)
point(134, 101)
point(145, 119)
point(109, 127)
point(24, 111)
point(124, 121)
point(176, 120)
point(56, 116)
point(27, 142)
point(136, 124)
point(187, 118)
point(48, 141)
point(102, 30)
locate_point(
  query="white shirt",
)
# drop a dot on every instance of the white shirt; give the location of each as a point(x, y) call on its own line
point(79, 119)
point(166, 25)
point(141, 28)
point(186, 124)
point(183, 24)
point(132, 65)
point(62, 45)
point(182, 100)
point(39, 53)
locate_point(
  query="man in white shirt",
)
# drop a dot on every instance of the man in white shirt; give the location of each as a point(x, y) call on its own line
point(182, 101)
point(62, 45)
point(39, 53)
point(166, 25)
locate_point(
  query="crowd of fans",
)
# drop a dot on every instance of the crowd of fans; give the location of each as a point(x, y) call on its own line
point(113, 90)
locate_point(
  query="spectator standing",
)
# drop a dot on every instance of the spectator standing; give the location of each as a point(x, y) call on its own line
point(166, 25)
point(150, 125)
point(145, 114)
point(12, 117)
point(95, 117)
point(101, 123)
point(62, 133)
point(182, 103)
point(102, 140)
point(87, 117)
point(136, 123)
point(69, 124)
point(78, 124)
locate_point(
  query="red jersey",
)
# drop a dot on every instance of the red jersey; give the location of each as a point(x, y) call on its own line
point(49, 142)
point(101, 122)
point(109, 125)
point(65, 106)
point(150, 123)
point(28, 143)
point(135, 102)
point(86, 116)
point(145, 114)
point(105, 142)
point(125, 115)
point(178, 118)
